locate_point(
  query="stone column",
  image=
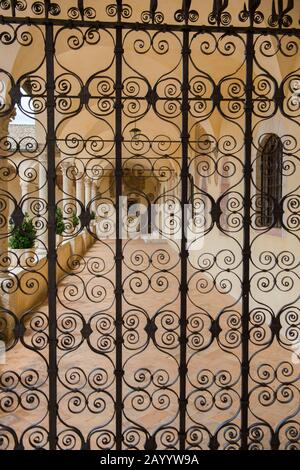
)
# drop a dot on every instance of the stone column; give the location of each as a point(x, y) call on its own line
point(25, 190)
point(88, 188)
point(160, 215)
point(43, 197)
point(68, 180)
point(68, 191)
point(93, 196)
point(6, 169)
point(80, 198)
point(80, 192)
point(93, 207)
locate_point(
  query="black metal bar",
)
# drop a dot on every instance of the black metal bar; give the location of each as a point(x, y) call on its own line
point(51, 238)
point(233, 29)
point(184, 253)
point(118, 264)
point(246, 241)
point(185, 32)
point(81, 8)
point(47, 8)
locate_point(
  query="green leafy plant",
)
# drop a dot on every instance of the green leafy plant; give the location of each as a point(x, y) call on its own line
point(75, 220)
point(93, 215)
point(59, 221)
point(24, 236)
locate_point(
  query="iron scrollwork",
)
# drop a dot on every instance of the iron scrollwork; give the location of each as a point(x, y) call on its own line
point(141, 336)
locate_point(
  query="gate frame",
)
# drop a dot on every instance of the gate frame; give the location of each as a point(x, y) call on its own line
point(186, 28)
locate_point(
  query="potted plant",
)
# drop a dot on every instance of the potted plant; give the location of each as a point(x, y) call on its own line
point(59, 222)
point(24, 236)
point(75, 220)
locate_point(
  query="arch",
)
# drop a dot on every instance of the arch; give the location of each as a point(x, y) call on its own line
point(269, 179)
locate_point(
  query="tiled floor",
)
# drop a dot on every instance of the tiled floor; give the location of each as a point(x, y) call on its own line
point(86, 385)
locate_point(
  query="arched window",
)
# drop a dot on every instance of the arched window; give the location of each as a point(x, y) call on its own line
point(269, 180)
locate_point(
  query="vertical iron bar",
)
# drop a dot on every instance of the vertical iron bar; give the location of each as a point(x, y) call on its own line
point(51, 237)
point(184, 253)
point(118, 257)
point(13, 8)
point(246, 241)
point(47, 8)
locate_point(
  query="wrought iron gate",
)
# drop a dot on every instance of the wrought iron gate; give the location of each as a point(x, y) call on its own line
point(151, 341)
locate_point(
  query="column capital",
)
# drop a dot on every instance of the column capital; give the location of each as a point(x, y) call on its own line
point(88, 180)
point(42, 158)
point(57, 153)
point(79, 180)
point(24, 183)
point(5, 121)
point(93, 189)
point(67, 163)
point(79, 174)
point(68, 169)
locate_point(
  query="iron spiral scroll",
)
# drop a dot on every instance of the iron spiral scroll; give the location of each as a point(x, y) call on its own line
point(123, 328)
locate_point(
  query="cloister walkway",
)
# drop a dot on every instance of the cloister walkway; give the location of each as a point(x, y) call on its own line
point(151, 353)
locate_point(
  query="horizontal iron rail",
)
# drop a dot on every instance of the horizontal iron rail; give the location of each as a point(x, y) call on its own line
point(138, 98)
point(149, 27)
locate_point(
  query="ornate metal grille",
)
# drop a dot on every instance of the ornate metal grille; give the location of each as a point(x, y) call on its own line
point(271, 178)
point(121, 341)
